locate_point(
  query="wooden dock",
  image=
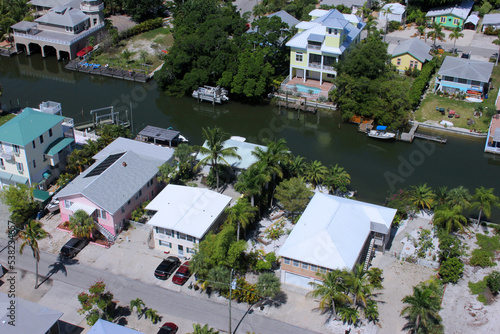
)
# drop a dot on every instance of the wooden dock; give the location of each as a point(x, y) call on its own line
point(409, 136)
point(130, 75)
point(297, 106)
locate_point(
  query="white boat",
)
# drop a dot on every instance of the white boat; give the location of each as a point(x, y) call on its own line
point(183, 139)
point(381, 133)
point(53, 205)
point(211, 94)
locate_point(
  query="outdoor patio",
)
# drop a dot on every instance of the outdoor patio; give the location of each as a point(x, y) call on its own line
point(309, 88)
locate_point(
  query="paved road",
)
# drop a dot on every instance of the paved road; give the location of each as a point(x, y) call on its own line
point(165, 301)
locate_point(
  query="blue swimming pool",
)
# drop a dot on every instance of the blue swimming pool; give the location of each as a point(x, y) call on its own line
point(307, 89)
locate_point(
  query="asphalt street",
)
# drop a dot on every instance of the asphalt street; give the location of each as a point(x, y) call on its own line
point(165, 301)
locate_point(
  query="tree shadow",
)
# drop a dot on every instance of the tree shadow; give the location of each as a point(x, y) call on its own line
point(58, 266)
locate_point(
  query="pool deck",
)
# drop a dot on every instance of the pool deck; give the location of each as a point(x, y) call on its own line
point(325, 87)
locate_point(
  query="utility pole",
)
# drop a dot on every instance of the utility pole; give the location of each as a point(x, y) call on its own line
point(232, 285)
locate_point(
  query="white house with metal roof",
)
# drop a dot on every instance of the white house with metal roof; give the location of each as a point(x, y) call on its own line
point(353, 4)
point(322, 42)
point(63, 25)
point(333, 233)
point(184, 216)
point(398, 12)
point(34, 146)
point(412, 53)
point(123, 176)
point(491, 20)
point(464, 75)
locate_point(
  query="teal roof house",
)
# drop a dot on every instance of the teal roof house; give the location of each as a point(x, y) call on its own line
point(34, 146)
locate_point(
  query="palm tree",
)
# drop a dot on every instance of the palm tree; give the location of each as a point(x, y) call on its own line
point(436, 33)
point(442, 195)
point(297, 166)
point(349, 315)
point(386, 12)
point(197, 329)
point(371, 311)
point(315, 173)
point(251, 181)
point(268, 285)
point(332, 290)
point(375, 277)
point(450, 219)
point(215, 151)
point(242, 213)
point(152, 315)
point(371, 24)
point(422, 310)
point(421, 32)
point(483, 199)
point(81, 224)
point(33, 231)
point(338, 178)
point(422, 196)
point(358, 283)
point(139, 306)
point(76, 160)
point(459, 196)
point(456, 34)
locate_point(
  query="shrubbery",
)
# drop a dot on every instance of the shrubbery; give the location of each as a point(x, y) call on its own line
point(451, 270)
point(481, 258)
point(420, 83)
point(136, 30)
point(493, 282)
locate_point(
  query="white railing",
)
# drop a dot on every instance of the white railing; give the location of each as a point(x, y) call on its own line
point(43, 39)
point(315, 65)
point(314, 47)
point(91, 8)
point(88, 32)
point(328, 68)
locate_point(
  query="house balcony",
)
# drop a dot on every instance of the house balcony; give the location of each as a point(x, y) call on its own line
point(378, 241)
point(319, 67)
point(92, 8)
point(314, 47)
point(9, 156)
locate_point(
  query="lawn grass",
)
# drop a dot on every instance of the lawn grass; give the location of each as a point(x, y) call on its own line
point(5, 118)
point(479, 289)
point(427, 110)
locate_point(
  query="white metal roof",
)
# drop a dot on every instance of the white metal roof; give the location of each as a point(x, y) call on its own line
point(79, 206)
point(491, 19)
point(461, 11)
point(189, 210)
point(332, 231)
point(396, 8)
point(243, 149)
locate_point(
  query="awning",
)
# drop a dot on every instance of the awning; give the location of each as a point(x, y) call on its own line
point(84, 51)
point(5, 176)
point(79, 206)
point(6, 156)
point(40, 195)
point(381, 127)
point(496, 136)
point(47, 174)
point(316, 38)
point(58, 145)
point(19, 179)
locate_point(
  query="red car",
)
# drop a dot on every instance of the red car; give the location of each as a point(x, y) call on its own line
point(182, 274)
point(168, 328)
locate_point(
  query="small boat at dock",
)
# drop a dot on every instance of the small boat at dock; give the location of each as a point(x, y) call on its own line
point(211, 94)
point(381, 133)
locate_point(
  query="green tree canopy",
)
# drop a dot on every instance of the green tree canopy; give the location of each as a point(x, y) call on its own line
point(293, 194)
point(19, 199)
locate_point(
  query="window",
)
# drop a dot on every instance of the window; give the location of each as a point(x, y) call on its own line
point(314, 268)
point(165, 243)
point(101, 214)
point(295, 263)
point(446, 78)
point(190, 250)
point(16, 149)
point(456, 21)
point(330, 30)
point(475, 83)
point(67, 204)
point(322, 270)
point(415, 64)
point(286, 260)
point(2, 165)
point(335, 32)
point(20, 167)
point(123, 209)
point(190, 238)
point(128, 202)
point(462, 81)
point(41, 139)
point(330, 76)
point(50, 132)
point(398, 62)
point(181, 236)
point(305, 265)
point(34, 145)
point(443, 19)
point(34, 164)
point(411, 63)
point(299, 57)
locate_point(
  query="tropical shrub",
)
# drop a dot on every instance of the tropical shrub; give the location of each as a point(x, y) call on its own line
point(493, 282)
point(138, 29)
point(420, 83)
point(481, 258)
point(451, 270)
point(244, 292)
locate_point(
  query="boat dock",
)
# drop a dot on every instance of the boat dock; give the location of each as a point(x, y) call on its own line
point(409, 136)
point(131, 75)
point(296, 105)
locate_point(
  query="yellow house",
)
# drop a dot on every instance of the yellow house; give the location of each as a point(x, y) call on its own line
point(412, 53)
point(321, 42)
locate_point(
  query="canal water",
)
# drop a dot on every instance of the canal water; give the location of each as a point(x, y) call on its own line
point(376, 167)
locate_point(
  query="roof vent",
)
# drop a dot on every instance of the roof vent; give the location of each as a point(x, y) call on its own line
point(124, 164)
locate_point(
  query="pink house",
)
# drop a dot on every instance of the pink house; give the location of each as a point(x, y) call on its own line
point(123, 176)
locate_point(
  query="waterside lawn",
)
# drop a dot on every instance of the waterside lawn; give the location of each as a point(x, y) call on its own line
point(4, 118)
point(427, 110)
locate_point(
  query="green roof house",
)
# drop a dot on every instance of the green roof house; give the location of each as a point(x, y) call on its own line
point(34, 146)
point(450, 16)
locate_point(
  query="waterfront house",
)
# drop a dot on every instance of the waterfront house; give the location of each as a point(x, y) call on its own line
point(464, 75)
point(333, 233)
point(493, 139)
point(451, 16)
point(317, 46)
point(184, 216)
point(398, 13)
point(491, 20)
point(28, 317)
point(412, 53)
point(63, 27)
point(34, 146)
point(243, 149)
point(354, 5)
point(123, 176)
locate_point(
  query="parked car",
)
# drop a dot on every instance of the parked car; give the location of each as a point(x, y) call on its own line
point(167, 267)
point(182, 274)
point(168, 328)
point(73, 247)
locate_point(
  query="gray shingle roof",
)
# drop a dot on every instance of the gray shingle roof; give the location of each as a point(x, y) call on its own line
point(491, 19)
point(66, 17)
point(285, 17)
point(466, 69)
point(23, 25)
point(117, 184)
point(414, 47)
point(461, 11)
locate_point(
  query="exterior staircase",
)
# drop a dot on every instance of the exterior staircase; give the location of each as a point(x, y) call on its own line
point(369, 254)
point(108, 235)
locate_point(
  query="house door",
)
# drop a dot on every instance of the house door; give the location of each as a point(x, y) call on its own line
point(300, 73)
point(180, 250)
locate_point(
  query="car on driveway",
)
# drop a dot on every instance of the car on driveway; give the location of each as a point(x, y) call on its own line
point(168, 328)
point(182, 274)
point(73, 247)
point(167, 267)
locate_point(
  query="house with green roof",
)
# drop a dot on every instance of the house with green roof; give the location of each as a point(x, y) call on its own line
point(34, 146)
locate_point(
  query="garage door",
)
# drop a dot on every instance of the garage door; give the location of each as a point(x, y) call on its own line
point(298, 280)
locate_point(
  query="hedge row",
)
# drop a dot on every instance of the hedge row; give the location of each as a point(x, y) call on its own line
point(138, 29)
point(421, 82)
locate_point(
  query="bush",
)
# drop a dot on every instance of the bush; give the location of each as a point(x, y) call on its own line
point(420, 83)
point(493, 282)
point(136, 30)
point(393, 26)
point(481, 258)
point(490, 31)
point(451, 270)
point(244, 292)
point(485, 8)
